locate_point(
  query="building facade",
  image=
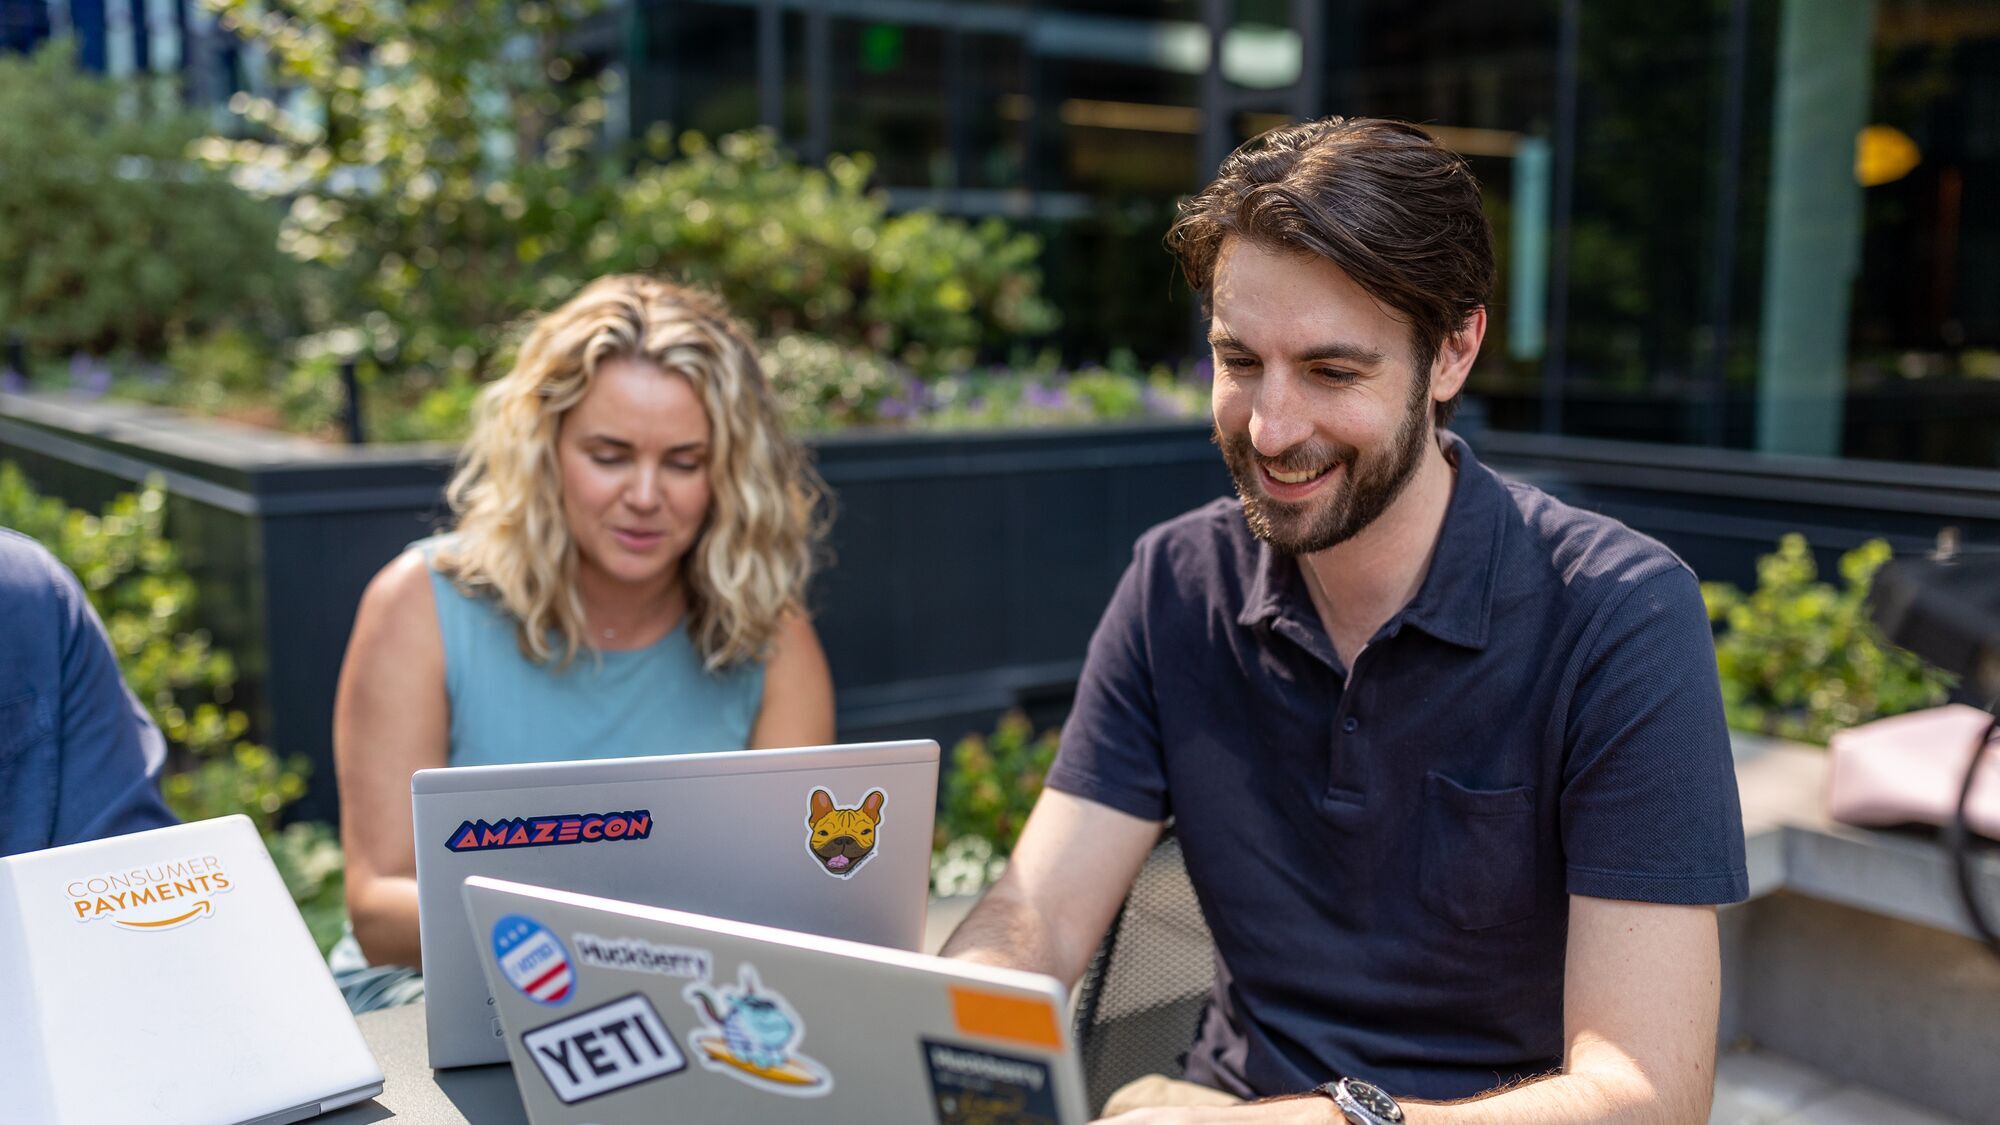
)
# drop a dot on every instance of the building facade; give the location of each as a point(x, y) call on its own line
point(1748, 223)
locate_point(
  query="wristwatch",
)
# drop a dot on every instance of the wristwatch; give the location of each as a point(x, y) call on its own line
point(1363, 1104)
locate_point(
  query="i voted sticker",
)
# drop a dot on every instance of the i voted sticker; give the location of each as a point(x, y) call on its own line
point(533, 960)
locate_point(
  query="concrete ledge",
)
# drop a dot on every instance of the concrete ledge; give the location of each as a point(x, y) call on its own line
point(1855, 956)
point(1791, 845)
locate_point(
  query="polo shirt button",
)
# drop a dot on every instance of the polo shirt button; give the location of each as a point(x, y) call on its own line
point(1351, 725)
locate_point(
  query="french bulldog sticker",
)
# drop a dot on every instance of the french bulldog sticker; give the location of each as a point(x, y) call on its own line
point(841, 840)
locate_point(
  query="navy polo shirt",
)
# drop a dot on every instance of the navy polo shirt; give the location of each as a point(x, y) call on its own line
point(1385, 858)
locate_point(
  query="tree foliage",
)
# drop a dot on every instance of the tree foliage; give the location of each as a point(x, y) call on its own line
point(113, 240)
point(449, 171)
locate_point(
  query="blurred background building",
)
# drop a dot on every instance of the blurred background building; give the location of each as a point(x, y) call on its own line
point(1757, 224)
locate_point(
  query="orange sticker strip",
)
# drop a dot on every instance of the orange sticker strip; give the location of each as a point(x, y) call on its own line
point(998, 1016)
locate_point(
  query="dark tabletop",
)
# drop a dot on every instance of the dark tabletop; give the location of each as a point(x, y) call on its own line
point(413, 1092)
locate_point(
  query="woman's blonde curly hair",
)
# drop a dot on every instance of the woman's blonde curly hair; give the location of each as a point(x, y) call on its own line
point(756, 551)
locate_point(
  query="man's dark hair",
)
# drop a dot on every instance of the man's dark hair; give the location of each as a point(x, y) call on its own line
point(1393, 209)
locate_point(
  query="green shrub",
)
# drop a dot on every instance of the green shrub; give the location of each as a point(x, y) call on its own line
point(113, 239)
point(801, 249)
point(132, 574)
point(232, 374)
point(990, 789)
point(447, 179)
point(1800, 659)
point(824, 386)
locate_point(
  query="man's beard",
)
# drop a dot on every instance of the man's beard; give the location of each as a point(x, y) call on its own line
point(1372, 483)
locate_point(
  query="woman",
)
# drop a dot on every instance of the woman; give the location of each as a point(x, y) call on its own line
point(635, 530)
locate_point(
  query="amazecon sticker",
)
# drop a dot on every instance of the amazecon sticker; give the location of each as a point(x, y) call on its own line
point(753, 1036)
point(971, 1085)
point(549, 831)
point(532, 959)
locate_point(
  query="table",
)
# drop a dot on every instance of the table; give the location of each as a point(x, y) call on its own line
point(414, 1093)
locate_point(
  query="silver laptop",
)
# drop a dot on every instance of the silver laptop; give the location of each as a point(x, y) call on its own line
point(166, 976)
point(833, 840)
point(671, 1016)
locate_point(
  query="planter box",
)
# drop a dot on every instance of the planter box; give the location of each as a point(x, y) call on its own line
point(967, 570)
point(966, 574)
point(1721, 508)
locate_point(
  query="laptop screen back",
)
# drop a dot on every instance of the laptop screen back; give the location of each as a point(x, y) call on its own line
point(677, 1017)
point(828, 840)
point(166, 976)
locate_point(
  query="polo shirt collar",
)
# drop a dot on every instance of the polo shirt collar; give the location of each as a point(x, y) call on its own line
point(1455, 602)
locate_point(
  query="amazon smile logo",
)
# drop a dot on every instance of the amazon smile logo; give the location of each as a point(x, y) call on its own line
point(158, 897)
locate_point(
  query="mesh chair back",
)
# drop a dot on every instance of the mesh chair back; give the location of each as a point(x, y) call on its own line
point(1140, 1001)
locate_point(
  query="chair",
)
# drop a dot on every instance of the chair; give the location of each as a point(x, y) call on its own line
point(1140, 1001)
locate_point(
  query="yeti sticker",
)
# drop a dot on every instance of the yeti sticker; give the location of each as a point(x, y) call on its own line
point(841, 840)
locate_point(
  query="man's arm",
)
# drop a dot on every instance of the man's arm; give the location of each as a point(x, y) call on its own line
point(1070, 870)
point(111, 752)
point(1641, 993)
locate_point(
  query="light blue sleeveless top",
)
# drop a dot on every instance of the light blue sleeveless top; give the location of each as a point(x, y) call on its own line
point(507, 709)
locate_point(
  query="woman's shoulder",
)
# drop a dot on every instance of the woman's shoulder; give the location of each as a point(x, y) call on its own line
point(402, 588)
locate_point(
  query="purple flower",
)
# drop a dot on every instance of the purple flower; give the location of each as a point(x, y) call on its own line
point(895, 406)
point(89, 374)
point(1046, 398)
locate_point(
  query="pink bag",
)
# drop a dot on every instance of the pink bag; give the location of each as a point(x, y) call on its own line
point(1908, 769)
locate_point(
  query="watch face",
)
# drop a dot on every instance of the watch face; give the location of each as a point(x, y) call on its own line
point(1374, 1101)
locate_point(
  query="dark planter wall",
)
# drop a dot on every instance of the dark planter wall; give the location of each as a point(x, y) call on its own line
point(1721, 509)
point(966, 573)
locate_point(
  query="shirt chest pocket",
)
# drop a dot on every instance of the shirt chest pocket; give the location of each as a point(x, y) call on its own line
point(1477, 865)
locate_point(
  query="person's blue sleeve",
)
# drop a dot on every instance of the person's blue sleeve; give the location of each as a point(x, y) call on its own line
point(1110, 751)
point(108, 750)
point(1650, 810)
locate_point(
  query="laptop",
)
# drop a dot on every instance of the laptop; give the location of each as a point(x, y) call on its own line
point(672, 1016)
point(833, 840)
point(166, 976)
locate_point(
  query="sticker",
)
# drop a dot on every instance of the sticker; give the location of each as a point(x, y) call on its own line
point(161, 896)
point(641, 956)
point(971, 1085)
point(998, 1015)
point(841, 840)
point(752, 1035)
point(607, 1048)
point(532, 959)
point(546, 831)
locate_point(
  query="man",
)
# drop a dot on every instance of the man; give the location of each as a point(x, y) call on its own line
point(78, 754)
point(1445, 756)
